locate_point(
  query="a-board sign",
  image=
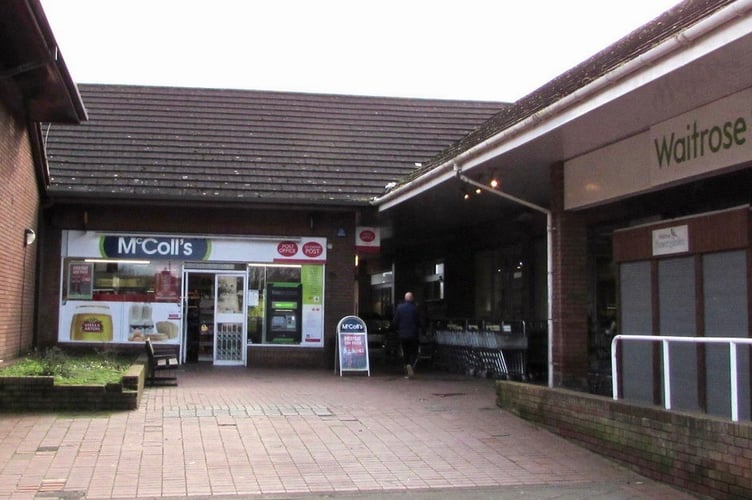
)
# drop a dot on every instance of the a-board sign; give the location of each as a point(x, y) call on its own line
point(352, 345)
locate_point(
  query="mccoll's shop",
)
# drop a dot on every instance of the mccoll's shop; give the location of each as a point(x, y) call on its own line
point(210, 297)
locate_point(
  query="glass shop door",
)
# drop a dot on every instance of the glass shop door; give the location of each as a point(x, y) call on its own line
point(230, 319)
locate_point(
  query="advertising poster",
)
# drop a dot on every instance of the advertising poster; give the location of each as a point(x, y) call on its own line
point(80, 276)
point(100, 321)
point(312, 278)
point(352, 345)
point(353, 351)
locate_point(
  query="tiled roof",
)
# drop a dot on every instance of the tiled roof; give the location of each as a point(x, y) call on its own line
point(641, 40)
point(248, 146)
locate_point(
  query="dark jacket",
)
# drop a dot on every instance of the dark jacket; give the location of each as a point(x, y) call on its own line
point(407, 321)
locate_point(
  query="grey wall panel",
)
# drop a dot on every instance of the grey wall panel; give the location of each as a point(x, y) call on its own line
point(725, 291)
point(636, 319)
point(676, 303)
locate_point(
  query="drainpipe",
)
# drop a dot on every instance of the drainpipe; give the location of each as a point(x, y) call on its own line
point(549, 258)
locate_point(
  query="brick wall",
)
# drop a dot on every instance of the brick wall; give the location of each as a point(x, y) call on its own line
point(19, 202)
point(570, 328)
point(705, 455)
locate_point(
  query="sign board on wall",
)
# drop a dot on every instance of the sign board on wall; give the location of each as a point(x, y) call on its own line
point(708, 138)
point(367, 239)
point(93, 244)
point(352, 345)
point(671, 240)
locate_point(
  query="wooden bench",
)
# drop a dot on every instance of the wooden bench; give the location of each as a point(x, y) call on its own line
point(160, 363)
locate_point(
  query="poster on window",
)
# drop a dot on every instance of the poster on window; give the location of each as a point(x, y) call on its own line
point(80, 280)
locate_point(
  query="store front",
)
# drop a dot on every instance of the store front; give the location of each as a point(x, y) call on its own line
point(211, 298)
point(677, 233)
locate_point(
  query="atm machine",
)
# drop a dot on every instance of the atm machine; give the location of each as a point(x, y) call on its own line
point(284, 303)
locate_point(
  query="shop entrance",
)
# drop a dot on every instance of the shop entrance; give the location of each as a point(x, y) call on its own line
point(215, 324)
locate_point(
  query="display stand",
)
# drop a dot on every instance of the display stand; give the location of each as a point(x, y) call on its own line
point(352, 346)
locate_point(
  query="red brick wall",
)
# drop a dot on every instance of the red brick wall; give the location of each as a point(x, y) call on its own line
point(19, 203)
point(708, 456)
point(570, 328)
point(340, 270)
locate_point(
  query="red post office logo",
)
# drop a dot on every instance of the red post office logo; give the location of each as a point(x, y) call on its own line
point(287, 248)
point(367, 235)
point(313, 249)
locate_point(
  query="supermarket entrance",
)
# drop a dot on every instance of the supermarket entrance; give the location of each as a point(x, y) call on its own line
point(214, 324)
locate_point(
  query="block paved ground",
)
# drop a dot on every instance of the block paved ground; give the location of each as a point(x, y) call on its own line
point(230, 432)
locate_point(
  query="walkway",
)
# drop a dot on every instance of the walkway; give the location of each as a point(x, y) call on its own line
point(237, 432)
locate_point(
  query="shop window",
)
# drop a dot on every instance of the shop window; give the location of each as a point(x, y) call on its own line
point(501, 284)
point(122, 281)
point(275, 312)
point(107, 300)
point(433, 282)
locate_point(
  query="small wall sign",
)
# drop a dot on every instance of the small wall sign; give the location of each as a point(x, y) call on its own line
point(671, 240)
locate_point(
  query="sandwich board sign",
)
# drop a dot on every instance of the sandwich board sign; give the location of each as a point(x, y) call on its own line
point(352, 345)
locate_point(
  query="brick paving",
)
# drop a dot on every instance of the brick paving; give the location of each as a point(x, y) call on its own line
point(239, 432)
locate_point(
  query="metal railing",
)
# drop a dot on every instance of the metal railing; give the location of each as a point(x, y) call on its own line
point(732, 342)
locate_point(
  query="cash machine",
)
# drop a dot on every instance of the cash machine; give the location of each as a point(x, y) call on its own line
point(283, 313)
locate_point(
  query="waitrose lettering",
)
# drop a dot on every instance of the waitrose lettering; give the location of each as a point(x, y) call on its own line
point(699, 141)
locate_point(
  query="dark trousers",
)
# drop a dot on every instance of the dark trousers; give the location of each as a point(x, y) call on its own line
point(409, 351)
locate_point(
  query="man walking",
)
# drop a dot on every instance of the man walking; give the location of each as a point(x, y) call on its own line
point(407, 322)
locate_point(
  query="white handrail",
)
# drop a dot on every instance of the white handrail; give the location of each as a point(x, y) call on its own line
point(665, 340)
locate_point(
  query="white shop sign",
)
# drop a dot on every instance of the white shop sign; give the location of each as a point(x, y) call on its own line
point(671, 240)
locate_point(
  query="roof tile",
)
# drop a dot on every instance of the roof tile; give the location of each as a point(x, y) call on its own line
point(238, 145)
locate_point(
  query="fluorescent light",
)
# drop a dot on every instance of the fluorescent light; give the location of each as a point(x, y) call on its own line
point(118, 261)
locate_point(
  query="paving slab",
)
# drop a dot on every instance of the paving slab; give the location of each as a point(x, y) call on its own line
point(230, 432)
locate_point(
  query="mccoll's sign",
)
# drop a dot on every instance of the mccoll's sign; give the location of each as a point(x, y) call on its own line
point(92, 244)
point(152, 247)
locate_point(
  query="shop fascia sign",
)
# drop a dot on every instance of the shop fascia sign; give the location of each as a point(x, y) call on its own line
point(154, 247)
point(708, 138)
point(180, 247)
point(713, 136)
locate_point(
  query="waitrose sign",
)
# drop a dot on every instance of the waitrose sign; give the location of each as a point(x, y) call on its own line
point(707, 139)
point(714, 136)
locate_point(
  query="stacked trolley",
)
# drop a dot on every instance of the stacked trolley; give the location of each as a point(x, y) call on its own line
point(482, 348)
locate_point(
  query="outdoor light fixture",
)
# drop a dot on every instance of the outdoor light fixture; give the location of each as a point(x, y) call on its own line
point(494, 182)
point(29, 236)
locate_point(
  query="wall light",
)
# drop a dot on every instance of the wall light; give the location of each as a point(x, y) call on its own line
point(29, 237)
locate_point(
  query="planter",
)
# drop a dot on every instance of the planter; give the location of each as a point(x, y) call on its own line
point(41, 393)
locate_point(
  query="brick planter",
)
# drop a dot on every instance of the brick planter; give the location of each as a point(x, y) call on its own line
point(41, 393)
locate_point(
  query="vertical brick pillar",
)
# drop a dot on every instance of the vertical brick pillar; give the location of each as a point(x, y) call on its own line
point(19, 204)
point(570, 325)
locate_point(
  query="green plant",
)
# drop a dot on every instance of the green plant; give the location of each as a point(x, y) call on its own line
point(55, 363)
point(90, 369)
